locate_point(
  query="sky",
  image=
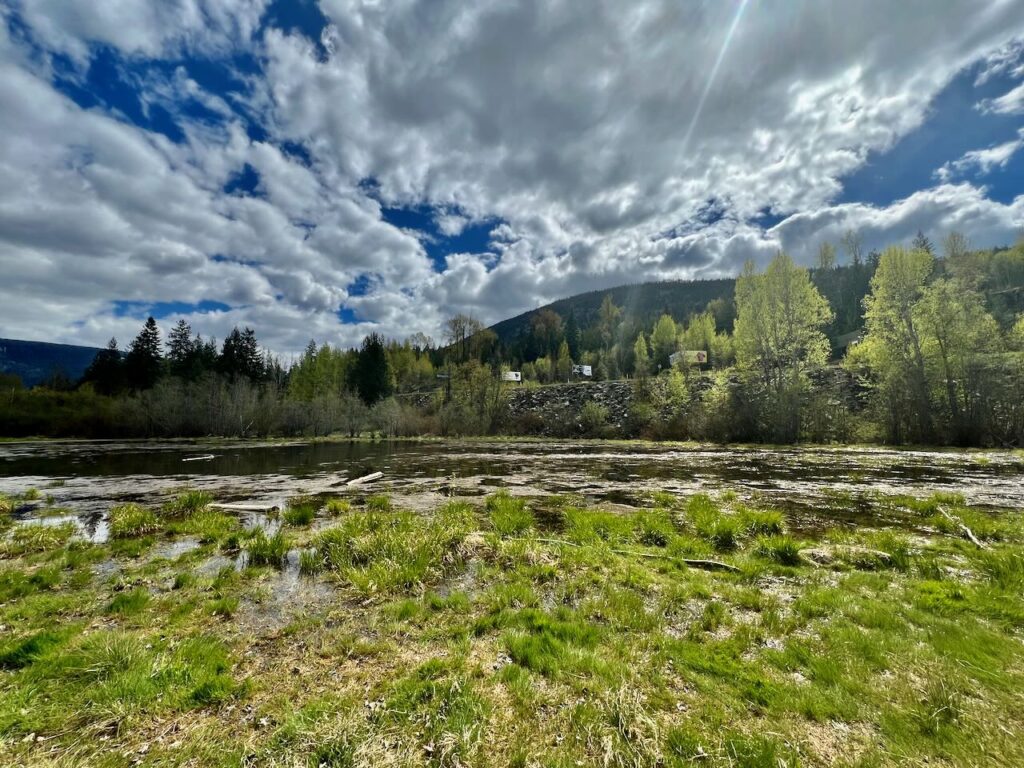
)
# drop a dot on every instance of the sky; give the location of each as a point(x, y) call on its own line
point(324, 169)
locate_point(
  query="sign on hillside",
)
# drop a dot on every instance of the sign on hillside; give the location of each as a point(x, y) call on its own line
point(511, 376)
point(689, 357)
point(583, 370)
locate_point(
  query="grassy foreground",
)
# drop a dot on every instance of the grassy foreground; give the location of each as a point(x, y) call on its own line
point(347, 632)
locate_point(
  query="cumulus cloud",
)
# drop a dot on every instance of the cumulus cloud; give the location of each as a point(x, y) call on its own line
point(983, 160)
point(570, 129)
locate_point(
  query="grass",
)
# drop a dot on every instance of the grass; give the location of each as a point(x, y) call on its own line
point(266, 550)
point(509, 516)
point(187, 503)
point(462, 636)
point(130, 520)
point(299, 515)
point(387, 551)
point(36, 537)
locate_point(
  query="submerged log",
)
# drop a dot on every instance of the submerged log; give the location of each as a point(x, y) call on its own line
point(366, 478)
point(233, 507)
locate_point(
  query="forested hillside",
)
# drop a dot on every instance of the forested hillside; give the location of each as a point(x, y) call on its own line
point(918, 344)
point(38, 362)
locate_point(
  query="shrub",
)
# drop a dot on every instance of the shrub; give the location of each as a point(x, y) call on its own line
point(130, 520)
point(593, 418)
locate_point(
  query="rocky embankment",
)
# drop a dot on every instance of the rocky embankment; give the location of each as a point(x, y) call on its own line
point(560, 401)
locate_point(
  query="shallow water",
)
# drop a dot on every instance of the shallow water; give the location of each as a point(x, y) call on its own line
point(814, 486)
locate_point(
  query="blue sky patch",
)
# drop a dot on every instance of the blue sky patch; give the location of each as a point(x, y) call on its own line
point(244, 182)
point(953, 127)
point(421, 220)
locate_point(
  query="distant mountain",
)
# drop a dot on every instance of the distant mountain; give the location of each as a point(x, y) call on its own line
point(643, 303)
point(37, 361)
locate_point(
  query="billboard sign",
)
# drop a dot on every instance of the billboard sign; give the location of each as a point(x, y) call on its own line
point(512, 376)
point(583, 370)
point(689, 357)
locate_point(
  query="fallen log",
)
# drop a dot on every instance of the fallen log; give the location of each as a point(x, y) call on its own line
point(233, 507)
point(366, 478)
point(204, 457)
point(964, 529)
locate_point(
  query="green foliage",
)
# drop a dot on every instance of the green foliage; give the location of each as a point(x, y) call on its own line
point(37, 537)
point(438, 701)
point(130, 520)
point(380, 502)
point(266, 550)
point(300, 512)
point(335, 507)
point(187, 503)
point(780, 549)
point(779, 337)
point(129, 603)
point(509, 516)
point(392, 551)
point(18, 653)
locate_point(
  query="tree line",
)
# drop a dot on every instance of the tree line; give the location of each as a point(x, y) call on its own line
point(907, 345)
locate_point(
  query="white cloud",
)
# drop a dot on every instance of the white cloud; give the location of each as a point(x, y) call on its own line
point(1010, 103)
point(983, 160)
point(569, 125)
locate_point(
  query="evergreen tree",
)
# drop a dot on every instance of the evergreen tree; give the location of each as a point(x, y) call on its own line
point(371, 375)
point(573, 335)
point(180, 349)
point(143, 362)
point(106, 371)
point(240, 356)
point(922, 243)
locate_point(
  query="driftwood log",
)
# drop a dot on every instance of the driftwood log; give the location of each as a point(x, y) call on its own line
point(366, 478)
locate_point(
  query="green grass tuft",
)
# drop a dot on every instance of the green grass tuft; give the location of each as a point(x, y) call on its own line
point(131, 520)
point(129, 603)
point(266, 550)
point(187, 503)
point(509, 516)
point(300, 515)
point(335, 507)
point(780, 549)
point(380, 502)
